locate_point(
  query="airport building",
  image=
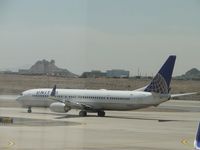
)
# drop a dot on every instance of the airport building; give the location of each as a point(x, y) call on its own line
point(117, 73)
point(114, 73)
point(93, 74)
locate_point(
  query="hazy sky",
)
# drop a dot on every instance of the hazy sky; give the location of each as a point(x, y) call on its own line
point(84, 35)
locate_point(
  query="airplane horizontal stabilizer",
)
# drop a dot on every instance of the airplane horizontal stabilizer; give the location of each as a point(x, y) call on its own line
point(183, 94)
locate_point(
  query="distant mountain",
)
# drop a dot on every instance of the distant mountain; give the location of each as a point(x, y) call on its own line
point(193, 74)
point(44, 67)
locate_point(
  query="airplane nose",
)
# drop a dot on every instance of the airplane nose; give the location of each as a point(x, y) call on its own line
point(20, 99)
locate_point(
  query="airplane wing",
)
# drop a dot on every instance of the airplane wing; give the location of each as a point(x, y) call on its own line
point(67, 102)
point(78, 105)
point(72, 104)
point(184, 94)
point(56, 99)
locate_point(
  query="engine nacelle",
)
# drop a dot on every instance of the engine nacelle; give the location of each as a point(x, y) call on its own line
point(59, 107)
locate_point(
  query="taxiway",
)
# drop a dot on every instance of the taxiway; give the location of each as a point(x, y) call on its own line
point(171, 126)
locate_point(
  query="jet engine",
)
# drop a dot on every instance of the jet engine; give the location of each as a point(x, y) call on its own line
point(59, 107)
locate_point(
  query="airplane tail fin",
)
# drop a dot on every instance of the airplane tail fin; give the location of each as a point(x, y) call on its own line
point(161, 82)
point(197, 140)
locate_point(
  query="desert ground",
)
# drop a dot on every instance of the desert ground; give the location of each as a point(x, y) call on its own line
point(15, 84)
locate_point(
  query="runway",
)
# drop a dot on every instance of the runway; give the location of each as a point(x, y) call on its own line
point(171, 126)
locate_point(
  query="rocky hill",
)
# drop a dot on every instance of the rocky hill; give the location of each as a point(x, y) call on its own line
point(193, 74)
point(45, 67)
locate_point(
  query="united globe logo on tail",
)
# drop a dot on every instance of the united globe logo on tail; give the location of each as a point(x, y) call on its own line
point(158, 85)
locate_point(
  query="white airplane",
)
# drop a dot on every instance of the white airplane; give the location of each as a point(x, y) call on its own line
point(63, 100)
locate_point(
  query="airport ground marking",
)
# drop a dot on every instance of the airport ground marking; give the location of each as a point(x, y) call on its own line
point(185, 142)
point(9, 145)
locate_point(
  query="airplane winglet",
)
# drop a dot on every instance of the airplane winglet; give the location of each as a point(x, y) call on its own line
point(53, 95)
point(53, 92)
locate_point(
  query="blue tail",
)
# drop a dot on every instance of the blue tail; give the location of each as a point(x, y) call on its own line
point(161, 82)
point(197, 140)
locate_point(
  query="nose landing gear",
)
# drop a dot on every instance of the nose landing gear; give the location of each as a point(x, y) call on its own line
point(29, 110)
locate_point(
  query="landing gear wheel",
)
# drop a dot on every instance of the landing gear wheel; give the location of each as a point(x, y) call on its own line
point(101, 113)
point(29, 110)
point(82, 113)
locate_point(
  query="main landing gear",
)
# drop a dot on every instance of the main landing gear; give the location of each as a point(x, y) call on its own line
point(29, 110)
point(83, 113)
point(101, 113)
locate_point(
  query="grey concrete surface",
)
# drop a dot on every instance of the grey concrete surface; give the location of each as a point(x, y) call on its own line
point(171, 126)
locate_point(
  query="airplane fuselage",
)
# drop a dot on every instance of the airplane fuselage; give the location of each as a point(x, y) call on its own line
point(97, 99)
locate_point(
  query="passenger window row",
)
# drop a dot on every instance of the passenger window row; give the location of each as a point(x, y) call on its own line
point(86, 97)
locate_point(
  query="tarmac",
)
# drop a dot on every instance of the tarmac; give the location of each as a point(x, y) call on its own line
point(171, 126)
